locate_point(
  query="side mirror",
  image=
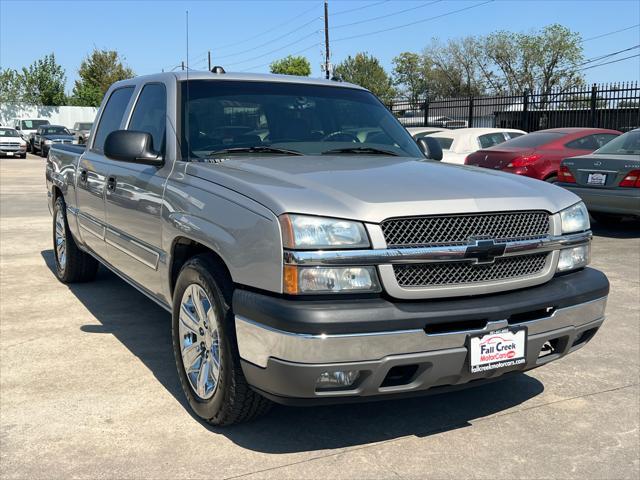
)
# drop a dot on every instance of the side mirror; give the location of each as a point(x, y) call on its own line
point(430, 147)
point(18, 127)
point(132, 146)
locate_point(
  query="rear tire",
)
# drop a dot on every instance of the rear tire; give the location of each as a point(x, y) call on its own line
point(72, 264)
point(551, 179)
point(203, 332)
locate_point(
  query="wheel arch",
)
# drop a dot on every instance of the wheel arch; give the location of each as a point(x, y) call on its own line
point(184, 248)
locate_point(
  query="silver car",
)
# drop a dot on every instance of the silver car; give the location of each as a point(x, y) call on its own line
point(310, 251)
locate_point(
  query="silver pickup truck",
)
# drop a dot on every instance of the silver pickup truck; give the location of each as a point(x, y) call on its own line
point(310, 251)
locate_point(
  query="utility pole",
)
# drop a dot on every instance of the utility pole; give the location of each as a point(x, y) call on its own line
point(327, 58)
point(209, 57)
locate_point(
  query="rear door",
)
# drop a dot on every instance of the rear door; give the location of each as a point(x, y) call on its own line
point(134, 195)
point(92, 173)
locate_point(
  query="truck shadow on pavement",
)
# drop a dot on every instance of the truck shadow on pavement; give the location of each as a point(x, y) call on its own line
point(144, 329)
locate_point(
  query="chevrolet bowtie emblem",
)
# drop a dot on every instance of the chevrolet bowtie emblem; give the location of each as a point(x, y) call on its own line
point(485, 251)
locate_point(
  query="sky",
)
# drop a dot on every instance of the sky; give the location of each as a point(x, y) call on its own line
point(248, 35)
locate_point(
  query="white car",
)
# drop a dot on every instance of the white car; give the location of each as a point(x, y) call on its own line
point(457, 144)
point(12, 144)
point(419, 132)
point(27, 127)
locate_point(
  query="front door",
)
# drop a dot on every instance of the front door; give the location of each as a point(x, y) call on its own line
point(134, 194)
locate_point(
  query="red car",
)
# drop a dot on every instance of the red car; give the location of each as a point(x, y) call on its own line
point(538, 155)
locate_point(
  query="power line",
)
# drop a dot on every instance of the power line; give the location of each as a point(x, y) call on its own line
point(359, 8)
point(610, 62)
point(269, 63)
point(387, 15)
point(602, 57)
point(413, 23)
point(275, 50)
point(264, 32)
point(611, 33)
point(269, 42)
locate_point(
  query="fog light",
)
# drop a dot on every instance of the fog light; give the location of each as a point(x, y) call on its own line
point(337, 380)
point(572, 258)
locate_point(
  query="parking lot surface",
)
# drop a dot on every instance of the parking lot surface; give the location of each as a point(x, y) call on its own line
point(88, 388)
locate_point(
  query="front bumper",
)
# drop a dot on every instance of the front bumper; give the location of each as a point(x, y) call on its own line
point(621, 201)
point(426, 338)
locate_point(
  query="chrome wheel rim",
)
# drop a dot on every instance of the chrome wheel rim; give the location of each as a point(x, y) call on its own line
point(61, 240)
point(199, 341)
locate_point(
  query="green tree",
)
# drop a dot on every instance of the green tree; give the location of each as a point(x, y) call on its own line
point(44, 81)
point(410, 73)
point(291, 65)
point(97, 72)
point(11, 86)
point(543, 60)
point(365, 70)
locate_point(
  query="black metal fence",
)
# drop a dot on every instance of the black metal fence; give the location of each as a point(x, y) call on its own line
point(614, 106)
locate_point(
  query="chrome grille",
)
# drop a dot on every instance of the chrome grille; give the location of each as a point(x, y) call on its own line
point(460, 229)
point(460, 273)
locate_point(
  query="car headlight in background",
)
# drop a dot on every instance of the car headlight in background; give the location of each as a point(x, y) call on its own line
point(575, 218)
point(311, 280)
point(307, 232)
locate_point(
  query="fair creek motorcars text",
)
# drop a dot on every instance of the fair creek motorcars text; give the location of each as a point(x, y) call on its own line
point(310, 251)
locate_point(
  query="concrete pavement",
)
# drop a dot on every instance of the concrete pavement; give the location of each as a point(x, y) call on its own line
point(88, 388)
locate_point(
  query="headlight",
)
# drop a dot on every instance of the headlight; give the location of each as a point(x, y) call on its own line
point(573, 258)
point(310, 280)
point(48, 142)
point(307, 232)
point(575, 218)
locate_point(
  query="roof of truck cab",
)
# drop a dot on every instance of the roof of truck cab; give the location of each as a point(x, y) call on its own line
point(243, 77)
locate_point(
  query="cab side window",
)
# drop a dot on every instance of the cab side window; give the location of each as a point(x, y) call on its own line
point(112, 115)
point(149, 114)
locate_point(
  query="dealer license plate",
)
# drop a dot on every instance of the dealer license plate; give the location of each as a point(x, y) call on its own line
point(597, 178)
point(498, 349)
point(9, 154)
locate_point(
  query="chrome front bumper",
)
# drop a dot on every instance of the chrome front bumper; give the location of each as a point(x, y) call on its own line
point(258, 343)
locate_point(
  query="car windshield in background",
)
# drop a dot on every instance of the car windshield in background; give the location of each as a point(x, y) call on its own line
point(32, 124)
point(55, 131)
point(84, 126)
point(533, 139)
point(228, 117)
point(627, 144)
point(8, 132)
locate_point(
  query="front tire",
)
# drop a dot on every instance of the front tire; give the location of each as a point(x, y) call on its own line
point(205, 347)
point(72, 264)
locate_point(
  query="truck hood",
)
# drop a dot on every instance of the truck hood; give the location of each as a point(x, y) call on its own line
point(58, 136)
point(373, 188)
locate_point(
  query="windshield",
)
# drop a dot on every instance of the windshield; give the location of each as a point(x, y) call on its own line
point(8, 132)
point(55, 131)
point(84, 126)
point(627, 144)
point(533, 139)
point(308, 119)
point(32, 124)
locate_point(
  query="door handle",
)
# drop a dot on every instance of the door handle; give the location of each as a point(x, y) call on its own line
point(111, 184)
point(83, 176)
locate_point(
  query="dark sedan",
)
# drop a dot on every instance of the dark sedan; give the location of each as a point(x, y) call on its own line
point(608, 180)
point(48, 135)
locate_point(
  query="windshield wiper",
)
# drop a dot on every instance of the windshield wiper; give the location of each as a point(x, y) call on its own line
point(255, 149)
point(370, 150)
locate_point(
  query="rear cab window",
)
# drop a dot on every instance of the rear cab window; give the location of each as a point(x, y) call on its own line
point(112, 115)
